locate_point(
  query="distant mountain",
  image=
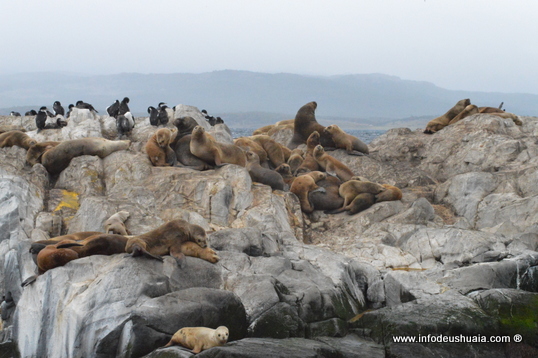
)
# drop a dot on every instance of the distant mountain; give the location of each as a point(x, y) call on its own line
point(254, 99)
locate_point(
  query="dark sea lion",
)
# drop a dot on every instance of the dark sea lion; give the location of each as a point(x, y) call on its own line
point(56, 157)
point(305, 184)
point(304, 124)
point(263, 175)
point(167, 240)
point(204, 146)
point(18, 138)
point(330, 199)
point(331, 165)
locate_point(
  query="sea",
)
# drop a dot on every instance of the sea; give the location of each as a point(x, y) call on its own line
point(366, 135)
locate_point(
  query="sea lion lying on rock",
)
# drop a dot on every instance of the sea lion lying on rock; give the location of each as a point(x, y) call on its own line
point(167, 240)
point(158, 148)
point(18, 138)
point(331, 165)
point(358, 195)
point(350, 143)
point(56, 156)
point(116, 223)
point(441, 122)
point(263, 175)
point(305, 184)
point(205, 147)
point(200, 338)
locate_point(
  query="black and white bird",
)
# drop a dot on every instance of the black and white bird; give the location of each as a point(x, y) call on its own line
point(7, 306)
point(210, 119)
point(84, 105)
point(153, 116)
point(124, 124)
point(124, 107)
point(31, 112)
point(15, 114)
point(41, 118)
point(70, 109)
point(113, 109)
point(58, 109)
point(165, 113)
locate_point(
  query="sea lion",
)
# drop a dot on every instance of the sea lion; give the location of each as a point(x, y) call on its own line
point(392, 193)
point(246, 144)
point(263, 130)
point(285, 171)
point(441, 122)
point(167, 240)
point(51, 256)
point(204, 146)
point(158, 148)
point(331, 199)
point(351, 189)
point(468, 111)
point(274, 151)
point(309, 163)
point(285, 122)
point(56, 157)
point(296, 159)
point(199, 338)
point(303, 185)
point(489, 110)
point(350, 143)
point(263, 175)
point(184, 126)
point(331, 165)
point(361, 202)
point(116, 223)
point(509, 115)
point(304, 124)
point(18, 138)
point(182, 148)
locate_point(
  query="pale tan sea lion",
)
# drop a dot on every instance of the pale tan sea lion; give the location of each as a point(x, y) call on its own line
point(205, 147)
point(199, 338)
point(350, 143)
point(305, 184)
point(331, 165)
point(18, 138)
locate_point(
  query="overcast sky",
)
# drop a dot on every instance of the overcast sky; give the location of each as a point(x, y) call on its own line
point(484, 45)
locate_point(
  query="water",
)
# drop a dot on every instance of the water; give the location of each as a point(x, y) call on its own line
point(366, 135)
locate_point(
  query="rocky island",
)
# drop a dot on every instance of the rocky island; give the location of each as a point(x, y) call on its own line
point(452, 265)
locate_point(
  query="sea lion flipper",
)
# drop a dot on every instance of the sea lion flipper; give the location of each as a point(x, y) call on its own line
point(29, 281)
point(177, 254)
point(68, 245)
point(355, 152)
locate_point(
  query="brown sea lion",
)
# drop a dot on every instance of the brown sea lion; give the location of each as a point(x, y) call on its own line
point(392, 193)
point(158, 148)
point(205, 147)
point(468, 111)
point(285, 171)
point(331, 165)
point(352, 188)
point(331, 199)
point(263, 130)
point(167, 240)
point(116, 223)
point(296, 159)
point(263, 175)
point(18, 138)
point(304, 124)
point(182, 149)
point(309, 163)
point(350, 143)
point(274, 151)
point(77, 236)
point(509, 115)
point(51, 256)
point(36, 151)
point(489, 110)
point(246, 143)
point(199, 338)
point(285, 122)
point(303, 185)
point(56, 157)
point(441, 122)
point(361, 202)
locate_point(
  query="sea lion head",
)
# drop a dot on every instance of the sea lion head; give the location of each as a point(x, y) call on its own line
point(198, 131)
point(198, 235)
point(252, 157)
point(313, 139)
point(163, 136)
point(318, 151)
point(221, 334)
point(317, 175)
point(283, 169)
point(333, 128)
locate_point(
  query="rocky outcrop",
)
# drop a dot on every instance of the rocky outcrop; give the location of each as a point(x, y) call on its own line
point(456, 256)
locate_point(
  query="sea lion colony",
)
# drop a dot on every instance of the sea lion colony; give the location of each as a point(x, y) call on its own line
point(320, 181)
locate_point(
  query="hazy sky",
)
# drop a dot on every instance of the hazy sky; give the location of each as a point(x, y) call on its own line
point(484, 45)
